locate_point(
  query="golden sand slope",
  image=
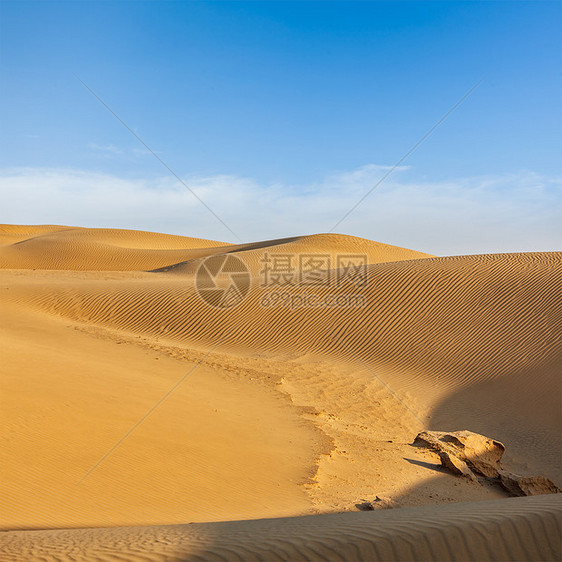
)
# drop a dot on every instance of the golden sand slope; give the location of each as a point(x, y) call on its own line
point(286, 410)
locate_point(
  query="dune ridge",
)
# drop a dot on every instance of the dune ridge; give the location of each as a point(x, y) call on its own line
point(512, 529)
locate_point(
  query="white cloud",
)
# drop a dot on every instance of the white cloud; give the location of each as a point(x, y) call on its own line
point(515, 212)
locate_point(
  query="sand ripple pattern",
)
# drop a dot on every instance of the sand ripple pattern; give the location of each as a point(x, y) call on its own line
point(512, 529)
point(452, 334)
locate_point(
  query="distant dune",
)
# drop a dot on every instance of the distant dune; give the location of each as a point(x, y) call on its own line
point(303, 399)
point(103, 249)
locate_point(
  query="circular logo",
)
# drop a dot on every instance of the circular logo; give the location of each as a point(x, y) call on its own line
point(222, 281)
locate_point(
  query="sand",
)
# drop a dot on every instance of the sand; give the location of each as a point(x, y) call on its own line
point(284, 419)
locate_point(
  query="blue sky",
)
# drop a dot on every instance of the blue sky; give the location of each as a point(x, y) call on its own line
point(290, 98)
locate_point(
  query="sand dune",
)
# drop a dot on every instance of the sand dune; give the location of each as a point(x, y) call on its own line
point(99, 249)
point(303, 399)
point(54, 247)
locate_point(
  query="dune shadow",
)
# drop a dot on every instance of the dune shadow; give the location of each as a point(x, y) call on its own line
point(522, 410)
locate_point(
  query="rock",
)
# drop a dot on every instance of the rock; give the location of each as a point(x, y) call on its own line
point(480, 453)
point(528, 485)
point(468, 454)
point(364, 506)
point(380, 502)
point(455, 465)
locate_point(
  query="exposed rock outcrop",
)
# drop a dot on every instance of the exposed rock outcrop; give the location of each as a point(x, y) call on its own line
point(471, 455)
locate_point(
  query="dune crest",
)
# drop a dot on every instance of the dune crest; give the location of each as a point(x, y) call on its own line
point(513, 529)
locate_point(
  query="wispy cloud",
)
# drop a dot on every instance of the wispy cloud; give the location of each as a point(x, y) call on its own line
point(112, 150)
point(108, 148)
point(511, 212)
